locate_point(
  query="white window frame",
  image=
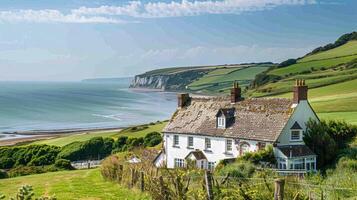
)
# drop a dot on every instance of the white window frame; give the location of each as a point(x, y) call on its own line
point(208, 144)
point(221, 122)
point(291, 135)
point(178, 162)
point(188, 142)
point(176, 140)
point(229, 145)
point(210, 166)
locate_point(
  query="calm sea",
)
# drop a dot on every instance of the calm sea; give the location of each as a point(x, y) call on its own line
point(28, 106)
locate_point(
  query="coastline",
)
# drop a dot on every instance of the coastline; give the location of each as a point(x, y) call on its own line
point(31, 136)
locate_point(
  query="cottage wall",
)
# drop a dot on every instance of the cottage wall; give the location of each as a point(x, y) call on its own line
point(216, 153)
point(302, 113)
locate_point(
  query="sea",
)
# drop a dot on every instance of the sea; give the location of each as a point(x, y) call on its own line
point(48, 106)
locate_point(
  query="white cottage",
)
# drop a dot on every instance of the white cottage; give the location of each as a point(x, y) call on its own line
point(210, 129)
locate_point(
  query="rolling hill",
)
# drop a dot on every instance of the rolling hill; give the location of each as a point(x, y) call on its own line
point(200, 79)
point(331, 75)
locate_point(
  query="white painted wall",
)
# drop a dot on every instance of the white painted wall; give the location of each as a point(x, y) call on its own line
point(302, 113)
point(217, 153)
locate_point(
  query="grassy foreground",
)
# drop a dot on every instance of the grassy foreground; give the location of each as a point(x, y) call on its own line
point(139, 131)
point(77, 184)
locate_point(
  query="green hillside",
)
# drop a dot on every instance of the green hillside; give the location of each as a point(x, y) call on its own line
point(330, 73)
point(76, 184)
point(220, 80)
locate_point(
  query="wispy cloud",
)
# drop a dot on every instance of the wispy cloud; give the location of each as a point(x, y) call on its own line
point(138, 9)
point(52, 16)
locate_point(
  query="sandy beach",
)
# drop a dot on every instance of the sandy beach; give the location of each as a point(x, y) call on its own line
point(30, 136)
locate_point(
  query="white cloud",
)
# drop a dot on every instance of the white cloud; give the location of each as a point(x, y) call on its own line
point(52, 16)
point(187, 8)
point(138, 9)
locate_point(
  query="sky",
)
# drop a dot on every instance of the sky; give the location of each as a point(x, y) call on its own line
point(71, 40)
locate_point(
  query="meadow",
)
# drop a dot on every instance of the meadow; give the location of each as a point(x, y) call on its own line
point(68, 185)
point(139, 131)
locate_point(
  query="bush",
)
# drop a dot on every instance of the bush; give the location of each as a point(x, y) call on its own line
point(3, 174)
point(264, 155)
point(63, 164)
point(34, 155)
point(152, 139)
point(6, 163)
point(238, 169)
point(287, 63)
point(26, 170)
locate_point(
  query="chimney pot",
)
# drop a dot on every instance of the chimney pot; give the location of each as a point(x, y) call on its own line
point(300, 91)
point(236, 93)
point(183, 99)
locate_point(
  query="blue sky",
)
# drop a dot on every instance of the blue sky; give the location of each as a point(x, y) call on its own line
point(77, 39)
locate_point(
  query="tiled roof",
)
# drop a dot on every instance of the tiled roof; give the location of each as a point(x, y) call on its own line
point(199, 155)
point(257, 119)
point(296, 151)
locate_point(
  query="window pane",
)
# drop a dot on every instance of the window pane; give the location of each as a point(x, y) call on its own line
point(228, 145)
point(295, 135)
point(176, 140)
point(207, 143)
point(190, 141)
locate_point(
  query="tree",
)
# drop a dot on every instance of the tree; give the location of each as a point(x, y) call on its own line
point(320, 142)
point(152, 139)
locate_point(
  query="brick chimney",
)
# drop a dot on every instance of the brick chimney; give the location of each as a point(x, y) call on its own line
point(236, 93)
point(300, 91)
point(183, 99)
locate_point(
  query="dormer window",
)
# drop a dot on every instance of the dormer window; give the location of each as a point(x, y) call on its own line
point(295, 133)
point(225, 117)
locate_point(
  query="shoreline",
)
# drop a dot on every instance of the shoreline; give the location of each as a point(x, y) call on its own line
point(34, 135)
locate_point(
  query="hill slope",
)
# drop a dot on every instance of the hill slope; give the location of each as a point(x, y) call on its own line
point(203, 79)
point(331, 75)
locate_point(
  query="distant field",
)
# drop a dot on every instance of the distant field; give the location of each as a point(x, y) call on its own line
point(71, 185)
point(337, 101)
point(222, 79)
point(61, 141)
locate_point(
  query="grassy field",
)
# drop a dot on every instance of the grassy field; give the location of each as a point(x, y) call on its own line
point(221, 80)
point(141, 131)
point(68, 185)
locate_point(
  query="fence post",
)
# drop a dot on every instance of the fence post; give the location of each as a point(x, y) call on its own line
point(120, 173)
point(142, 182)
point(88, 165)
point(279, 189)
point(322, 195)
point(163, 189)
point(208, 183)
point(132, 181)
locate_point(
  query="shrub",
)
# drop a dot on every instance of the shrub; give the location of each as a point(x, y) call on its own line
point(152, 139)
point(287, 63)
point(238, 169)
point(6, 163)
point(63, 164)
point(264, 155)
point(3, 174)
point(121, 141)
point(26, 170)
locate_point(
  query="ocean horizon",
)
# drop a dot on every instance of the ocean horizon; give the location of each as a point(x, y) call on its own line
point(44, 106)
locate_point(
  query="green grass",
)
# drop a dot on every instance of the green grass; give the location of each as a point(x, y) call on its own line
point(68, 185)
point(346, 49)
point(304, 66)
point(61, 141)
point(337, 101)
point(222, 79)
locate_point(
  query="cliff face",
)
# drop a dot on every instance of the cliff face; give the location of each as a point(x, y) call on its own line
point(153, 82)
point(171, 81)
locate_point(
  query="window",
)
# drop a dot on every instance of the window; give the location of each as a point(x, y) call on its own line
point(221, 122)
point(210, 166)
point(202, 164)
point(176, 140)
point(179, 162)
point(295, 135)
point(228, 145)
point(244, 148)
point(190, 142)
point(207, 143)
